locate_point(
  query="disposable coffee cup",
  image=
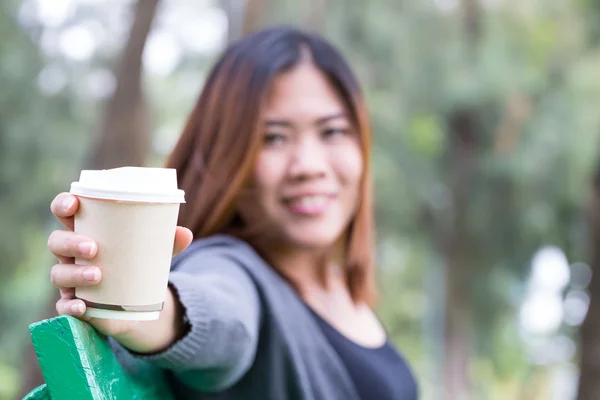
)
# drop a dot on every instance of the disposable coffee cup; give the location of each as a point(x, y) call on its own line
point(131, 213)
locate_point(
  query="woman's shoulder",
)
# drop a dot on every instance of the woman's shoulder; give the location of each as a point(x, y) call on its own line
point(217, 249)
point(219, 244)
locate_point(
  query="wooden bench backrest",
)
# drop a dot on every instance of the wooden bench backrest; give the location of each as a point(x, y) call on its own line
point(78, 364)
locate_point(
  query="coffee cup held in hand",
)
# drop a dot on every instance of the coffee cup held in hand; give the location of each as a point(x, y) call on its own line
point(131, 213)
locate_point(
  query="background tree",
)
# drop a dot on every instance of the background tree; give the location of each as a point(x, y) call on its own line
point(123, 137)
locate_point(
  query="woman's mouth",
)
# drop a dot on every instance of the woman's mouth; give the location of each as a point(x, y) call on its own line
point(310, 205)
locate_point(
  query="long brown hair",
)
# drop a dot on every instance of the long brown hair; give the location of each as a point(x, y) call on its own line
point(217, 150)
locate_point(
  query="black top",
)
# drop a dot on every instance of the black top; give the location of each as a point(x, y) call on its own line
point(377, 372)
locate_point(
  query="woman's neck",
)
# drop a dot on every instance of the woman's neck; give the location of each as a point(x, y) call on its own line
point(307, 268)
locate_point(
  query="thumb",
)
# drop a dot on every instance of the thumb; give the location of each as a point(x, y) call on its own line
point(183, 238)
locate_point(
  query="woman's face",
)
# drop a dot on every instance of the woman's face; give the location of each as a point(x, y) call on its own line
point(306, 183)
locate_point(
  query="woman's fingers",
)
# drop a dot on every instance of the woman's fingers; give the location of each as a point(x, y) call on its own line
point(65, 244)
point(73, 307)
point(71, 276)
point(183, 238)
point(67, 292)
point(64, 206)
point(70, 305)
point(69, 244)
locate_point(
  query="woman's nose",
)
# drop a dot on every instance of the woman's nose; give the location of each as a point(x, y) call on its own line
point(308, 159)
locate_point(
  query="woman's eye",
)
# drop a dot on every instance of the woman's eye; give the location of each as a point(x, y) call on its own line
point(274, 138)
point(331, 132)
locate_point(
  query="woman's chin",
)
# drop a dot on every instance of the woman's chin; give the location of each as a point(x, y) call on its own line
point(313, 239)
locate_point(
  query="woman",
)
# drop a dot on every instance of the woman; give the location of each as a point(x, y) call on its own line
point(273, 301)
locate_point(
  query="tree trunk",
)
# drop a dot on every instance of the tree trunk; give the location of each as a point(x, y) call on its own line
point(123, 138)
point(455, 246)
point(255, 16)
point(316, 15)
point(235, 10)
point(464, 130)
point(589, 364)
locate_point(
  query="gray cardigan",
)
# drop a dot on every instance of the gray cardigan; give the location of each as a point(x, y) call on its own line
point(251, 336)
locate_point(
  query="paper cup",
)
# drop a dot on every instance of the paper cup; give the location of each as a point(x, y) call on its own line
point(131, 213)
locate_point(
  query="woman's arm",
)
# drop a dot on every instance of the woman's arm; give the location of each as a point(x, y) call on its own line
point(156, 336)
point(222, 307)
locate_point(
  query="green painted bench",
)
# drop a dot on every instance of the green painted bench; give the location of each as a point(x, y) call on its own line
point(78, 364)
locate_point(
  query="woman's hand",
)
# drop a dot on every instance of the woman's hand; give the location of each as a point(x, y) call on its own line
point(66, 276)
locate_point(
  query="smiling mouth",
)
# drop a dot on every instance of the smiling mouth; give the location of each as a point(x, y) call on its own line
point(309, 205)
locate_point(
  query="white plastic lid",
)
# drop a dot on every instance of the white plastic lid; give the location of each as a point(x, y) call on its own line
point(137, 184)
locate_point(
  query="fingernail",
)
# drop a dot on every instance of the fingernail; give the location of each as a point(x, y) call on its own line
point(87, 248)
point(68, 203)
point(77, 308)
point(91, 274)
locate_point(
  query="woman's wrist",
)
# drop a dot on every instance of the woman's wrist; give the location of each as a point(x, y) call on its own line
point(155, 336)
